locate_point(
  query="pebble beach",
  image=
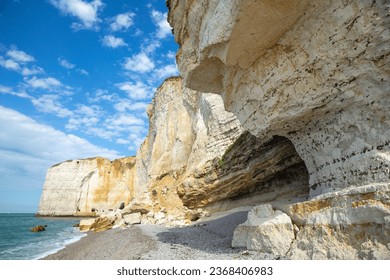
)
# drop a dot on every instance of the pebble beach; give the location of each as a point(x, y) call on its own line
point(206, 239)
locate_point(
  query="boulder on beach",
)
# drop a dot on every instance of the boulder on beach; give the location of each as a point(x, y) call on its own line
point(39, 228)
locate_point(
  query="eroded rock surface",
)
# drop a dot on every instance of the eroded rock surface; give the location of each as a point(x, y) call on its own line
point(348, 224)
point(86, 187)
point(321, 79)
point(196, 154)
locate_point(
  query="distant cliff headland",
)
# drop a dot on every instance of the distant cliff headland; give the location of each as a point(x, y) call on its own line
point(281, 105)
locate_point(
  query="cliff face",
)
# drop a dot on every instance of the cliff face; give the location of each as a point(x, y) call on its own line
point(306, 84)
point(87, 187)
point(319, 78)
point(314, 73)
point(196, 154)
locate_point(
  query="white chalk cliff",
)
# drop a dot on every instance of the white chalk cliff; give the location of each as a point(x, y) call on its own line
point(316, 73)
point(282, 105)
point(84, 187)
point(195, 155)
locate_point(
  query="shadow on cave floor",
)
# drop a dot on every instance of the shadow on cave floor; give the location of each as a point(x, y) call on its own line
point(211, 236)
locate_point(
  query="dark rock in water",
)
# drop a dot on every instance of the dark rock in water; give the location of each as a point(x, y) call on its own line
point(76, 225)
point(39, 228)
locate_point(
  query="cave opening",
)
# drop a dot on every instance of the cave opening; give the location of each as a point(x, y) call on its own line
point(264, 172)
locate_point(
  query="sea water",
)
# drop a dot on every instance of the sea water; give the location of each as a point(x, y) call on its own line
point(17, 242)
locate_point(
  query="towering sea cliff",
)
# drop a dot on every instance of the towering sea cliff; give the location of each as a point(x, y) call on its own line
point(86, 187)
point(196, 155)
point(315, 73)
point(305, 138)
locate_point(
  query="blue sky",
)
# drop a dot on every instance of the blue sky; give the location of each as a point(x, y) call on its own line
point(75, 79)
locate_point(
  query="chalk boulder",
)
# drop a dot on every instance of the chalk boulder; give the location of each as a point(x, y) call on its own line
point(265, 230)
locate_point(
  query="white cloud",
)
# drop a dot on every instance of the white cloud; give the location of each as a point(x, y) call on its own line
point(113, 42)
point(32, 71)
point(122, 22)
point(17, 58)
point(84, 118)
point(17, 61)
point(28, 148)
point(135, 141)
point(122, 141)
point(171, 55)
point(136, 91)
point(66, 64)
point(123, 122)
point(86, 12)
point(82, 71)
point(167, 71)
point(102, 95)
point(44, 83)
point(82, 123)
point(93, 120)
point(9, 64)
point(139, 63)
point(128, 105)
point(163, 27)
point(20, 56)
point(90, 111)
point(10, 91)
point(70, 66)
point(5, 89)
point(150, 47)
point(138, 32)
point(49, 103)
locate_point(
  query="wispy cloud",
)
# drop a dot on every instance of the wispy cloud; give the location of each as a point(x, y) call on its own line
point(17, 60)
point(77, 123)
point(136, 90)
point(43, 83)
point(122, 22)
point(139, 63)
point(171, 55)
point(123, 122)
point(163, 27)
point(167, 71)
point(34, 70)
point(151, 46)
point(90, 111)
point(102, 95)
point(20, 56)
point(133, 141)
point(70, 66)
point(5, 89)
point(9, 64)
point(49, 103)
point(66, 64)
point(11, 91)
point(83, 72)
point(86, 12)
point(124, 105)
point(113, 42)
point(93, 121)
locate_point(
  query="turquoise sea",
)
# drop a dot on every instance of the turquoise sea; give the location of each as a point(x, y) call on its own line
point(17, 242)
